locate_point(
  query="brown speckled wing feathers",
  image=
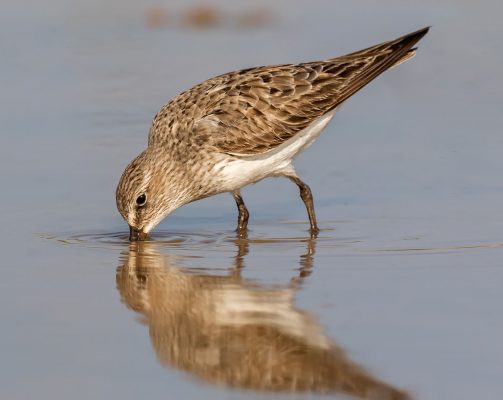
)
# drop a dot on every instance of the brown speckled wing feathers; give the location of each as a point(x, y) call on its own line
point(252, 111)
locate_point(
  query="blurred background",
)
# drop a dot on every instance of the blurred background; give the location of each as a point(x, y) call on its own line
point(407, 183)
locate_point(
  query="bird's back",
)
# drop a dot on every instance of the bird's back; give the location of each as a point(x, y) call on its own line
point(253, 111)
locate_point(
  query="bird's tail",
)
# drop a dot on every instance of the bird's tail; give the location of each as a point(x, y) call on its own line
point(400, 49)
point(386, 55)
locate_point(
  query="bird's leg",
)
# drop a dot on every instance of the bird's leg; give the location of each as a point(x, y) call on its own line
point(243, 213)
point(307, 198)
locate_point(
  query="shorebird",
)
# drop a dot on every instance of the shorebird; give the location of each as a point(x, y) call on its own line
point(241, 127)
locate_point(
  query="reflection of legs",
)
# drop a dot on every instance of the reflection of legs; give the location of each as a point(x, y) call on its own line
point(306, 263)
point(307, 198)
point(242, 245)
point(306, 260)
point(243, 212)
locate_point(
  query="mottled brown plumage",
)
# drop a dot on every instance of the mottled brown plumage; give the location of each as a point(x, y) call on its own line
point(245, 116)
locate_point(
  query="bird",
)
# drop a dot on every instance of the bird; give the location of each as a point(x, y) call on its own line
point(238, 128)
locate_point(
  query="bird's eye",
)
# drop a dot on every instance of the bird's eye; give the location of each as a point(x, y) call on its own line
point(141, 200)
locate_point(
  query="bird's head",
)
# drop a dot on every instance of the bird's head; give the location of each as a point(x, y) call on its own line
point(146, 193)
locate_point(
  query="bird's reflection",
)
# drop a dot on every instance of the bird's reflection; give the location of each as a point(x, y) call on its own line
point(236, 332)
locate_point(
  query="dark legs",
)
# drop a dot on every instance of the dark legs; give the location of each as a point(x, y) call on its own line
point(307, 198)
point(305, 195)
point(243, 213)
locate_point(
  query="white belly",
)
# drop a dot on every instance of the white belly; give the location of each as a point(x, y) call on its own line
point(245, 170)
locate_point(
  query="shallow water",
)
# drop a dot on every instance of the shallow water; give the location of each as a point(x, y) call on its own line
point(399, 297)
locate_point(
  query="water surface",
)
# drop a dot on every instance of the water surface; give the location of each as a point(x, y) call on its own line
point(399, 297)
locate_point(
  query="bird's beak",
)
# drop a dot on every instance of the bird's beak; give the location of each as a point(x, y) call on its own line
point(137, 234)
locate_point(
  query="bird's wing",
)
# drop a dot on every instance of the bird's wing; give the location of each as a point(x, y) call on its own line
point(253, 111)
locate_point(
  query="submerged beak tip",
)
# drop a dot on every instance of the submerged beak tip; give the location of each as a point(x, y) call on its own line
point(137, 235)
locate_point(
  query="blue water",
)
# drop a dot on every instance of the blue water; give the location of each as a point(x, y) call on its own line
point(404, 282)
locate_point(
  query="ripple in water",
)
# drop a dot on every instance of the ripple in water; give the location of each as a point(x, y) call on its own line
point(190, 240)
point(220, 240)
point(121, 239)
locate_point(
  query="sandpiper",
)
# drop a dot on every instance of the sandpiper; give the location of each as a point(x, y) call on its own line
point(238, 128)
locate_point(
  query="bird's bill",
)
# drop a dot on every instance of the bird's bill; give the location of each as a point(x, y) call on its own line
point(136, 234)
